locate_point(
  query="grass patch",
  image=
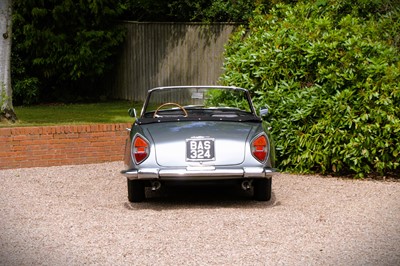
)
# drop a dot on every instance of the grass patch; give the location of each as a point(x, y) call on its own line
point(66, 114)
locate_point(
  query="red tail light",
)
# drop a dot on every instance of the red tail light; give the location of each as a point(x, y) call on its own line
point(259, 148)
point(140, 149)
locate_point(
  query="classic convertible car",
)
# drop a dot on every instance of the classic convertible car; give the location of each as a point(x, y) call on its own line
point(191, 134)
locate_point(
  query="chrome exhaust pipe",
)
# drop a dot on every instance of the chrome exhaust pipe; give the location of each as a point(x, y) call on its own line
point(155, 185)
point(246, 185)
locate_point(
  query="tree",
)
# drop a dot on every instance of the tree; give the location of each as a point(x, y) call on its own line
point(7, 110)
point(63, 48)
point(196, 11)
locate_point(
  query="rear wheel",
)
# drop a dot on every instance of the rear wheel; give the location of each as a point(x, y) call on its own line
point(262, 189)
point(136, 190)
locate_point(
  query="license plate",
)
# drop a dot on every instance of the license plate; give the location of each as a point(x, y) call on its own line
point(200, 149)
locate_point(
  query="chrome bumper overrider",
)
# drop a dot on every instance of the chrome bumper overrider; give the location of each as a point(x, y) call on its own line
point(198, 173)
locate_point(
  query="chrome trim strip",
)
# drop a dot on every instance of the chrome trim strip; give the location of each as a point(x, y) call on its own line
point(200, 168)
point(202, 173)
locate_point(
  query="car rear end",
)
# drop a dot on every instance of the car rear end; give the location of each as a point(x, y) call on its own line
point(197, 148)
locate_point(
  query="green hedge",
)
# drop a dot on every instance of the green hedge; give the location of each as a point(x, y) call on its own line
point(331, 81)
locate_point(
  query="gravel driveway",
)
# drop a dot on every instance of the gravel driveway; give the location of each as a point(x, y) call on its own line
point(76, 215)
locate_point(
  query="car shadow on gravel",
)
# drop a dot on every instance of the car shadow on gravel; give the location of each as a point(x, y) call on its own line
point(183, 197)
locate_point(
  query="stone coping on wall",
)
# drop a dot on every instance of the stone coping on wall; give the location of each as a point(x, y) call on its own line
point(43, 146)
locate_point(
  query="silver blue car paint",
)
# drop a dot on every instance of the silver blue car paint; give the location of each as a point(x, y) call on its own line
point(167, 157)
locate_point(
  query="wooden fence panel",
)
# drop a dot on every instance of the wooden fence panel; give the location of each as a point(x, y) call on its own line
point(166, 54)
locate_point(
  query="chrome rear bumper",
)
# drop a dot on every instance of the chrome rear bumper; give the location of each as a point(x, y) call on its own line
point(198, 173)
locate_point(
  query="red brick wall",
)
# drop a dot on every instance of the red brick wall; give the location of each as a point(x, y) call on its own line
point(61, 145)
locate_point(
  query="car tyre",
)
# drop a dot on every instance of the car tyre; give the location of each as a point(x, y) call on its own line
point(136, 191)
point(262, 189)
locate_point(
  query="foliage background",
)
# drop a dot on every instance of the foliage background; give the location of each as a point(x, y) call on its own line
point(63, 48)
point(198, 11)
point(60, 48)
point(328, 69)
point(330, 73)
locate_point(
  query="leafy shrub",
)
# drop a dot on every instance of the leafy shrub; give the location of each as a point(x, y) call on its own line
point(332, 84)
point(26, 91)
